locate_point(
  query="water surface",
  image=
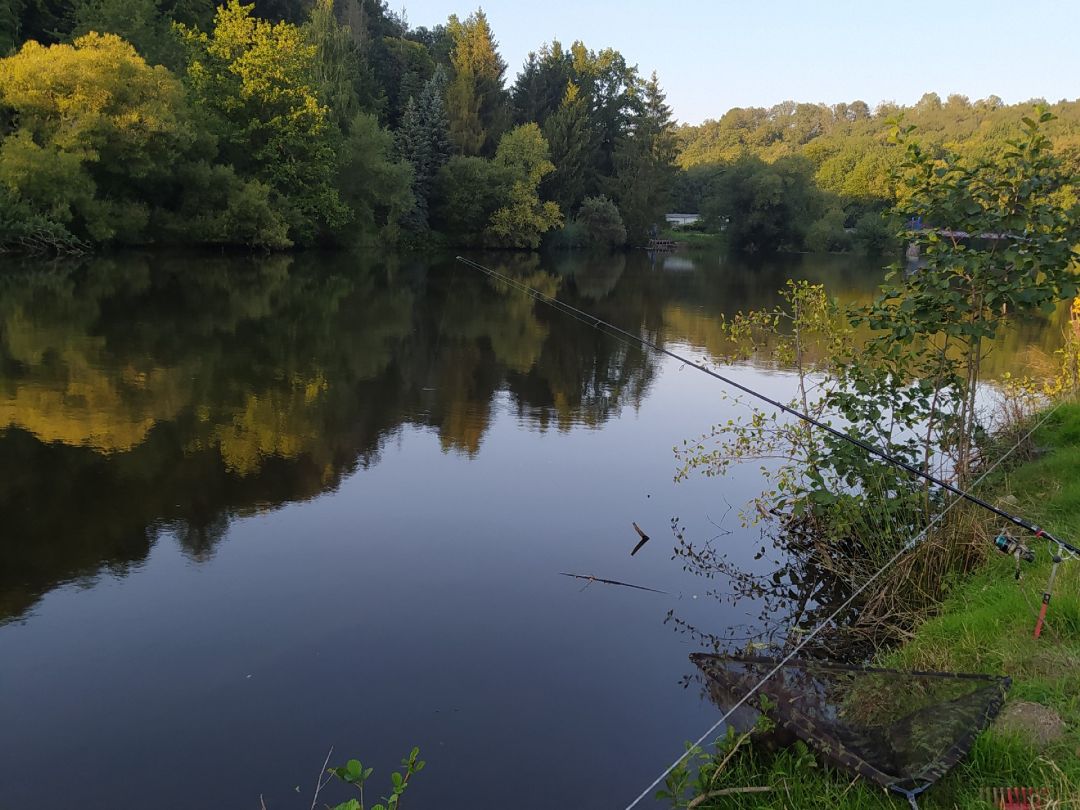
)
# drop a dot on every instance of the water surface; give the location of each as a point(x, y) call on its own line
point(252, 508)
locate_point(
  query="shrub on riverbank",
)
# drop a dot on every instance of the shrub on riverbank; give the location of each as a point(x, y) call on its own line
point(985, 625)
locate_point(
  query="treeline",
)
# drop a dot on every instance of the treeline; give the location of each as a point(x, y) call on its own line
point(818, 177)
point(301, 122)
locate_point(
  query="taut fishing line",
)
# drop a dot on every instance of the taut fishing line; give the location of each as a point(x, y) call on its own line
point(622, 334)
point(627, 337)
point(910, 544)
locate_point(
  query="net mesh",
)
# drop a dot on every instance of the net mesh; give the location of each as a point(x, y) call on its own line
point(902, 730)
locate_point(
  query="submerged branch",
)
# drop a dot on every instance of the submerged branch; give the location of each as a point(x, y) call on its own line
point(610, 582)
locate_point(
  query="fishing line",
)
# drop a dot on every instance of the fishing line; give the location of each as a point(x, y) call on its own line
point(604, 326)
point(914, 541)
point(627, 337)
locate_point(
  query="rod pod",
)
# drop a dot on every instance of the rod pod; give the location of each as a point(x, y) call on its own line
point(1046, 596)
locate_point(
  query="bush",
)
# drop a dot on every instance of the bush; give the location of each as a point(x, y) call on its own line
point(602, 224)
point(873, 235)
point(571, 236)
point(828, 233)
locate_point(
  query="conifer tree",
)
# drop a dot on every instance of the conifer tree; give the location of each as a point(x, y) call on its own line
point(477, 102)
point(645, 163)
point(424, 141)
point(573, 142)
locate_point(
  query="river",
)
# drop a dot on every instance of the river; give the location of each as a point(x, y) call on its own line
point(254, 507)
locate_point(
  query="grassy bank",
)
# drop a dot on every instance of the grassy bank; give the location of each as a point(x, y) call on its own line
point(985, 625)
point(692, 238)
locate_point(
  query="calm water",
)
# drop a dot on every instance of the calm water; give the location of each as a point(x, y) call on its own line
point(253, 508)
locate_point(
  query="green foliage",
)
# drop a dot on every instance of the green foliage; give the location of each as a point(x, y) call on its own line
point(571, 236)
point(99, 131)
point(215, 206)
point(573, 140)
point(908, 386)
point(355, 774)
point(377, 187)
point(468, 191)
point(424, 141)
point(540, 87)
point(477, 102)
point(762, 206)
point(409, 66)
point(23, 229)
point(828, 234)
point(602, 225)
point(338, 65)
point(998, 244)
point(10, 14)
point(140, 22)
point(273, 153)
point(524, 219)
point(645, 165)
point(873, 235)
point(983, 626)
point(276, 86)
point(848, 147)
point(259, 84)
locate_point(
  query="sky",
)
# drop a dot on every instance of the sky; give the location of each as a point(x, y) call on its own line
point(712, 56)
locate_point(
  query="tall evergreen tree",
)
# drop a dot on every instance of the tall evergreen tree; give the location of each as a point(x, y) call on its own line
point(610, 85)
point(645, 163)
point(573, 142)
point(539, 88)
point(424, 141)
point(477, 101)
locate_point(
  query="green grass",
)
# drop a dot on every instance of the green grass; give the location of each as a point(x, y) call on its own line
point(692, 238)
point(985, 625)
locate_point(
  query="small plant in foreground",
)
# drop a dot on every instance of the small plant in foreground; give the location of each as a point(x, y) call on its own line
point(354, 773)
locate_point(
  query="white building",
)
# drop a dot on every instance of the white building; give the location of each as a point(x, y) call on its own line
point(678, 220)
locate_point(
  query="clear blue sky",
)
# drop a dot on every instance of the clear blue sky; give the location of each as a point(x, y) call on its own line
point(711, 56)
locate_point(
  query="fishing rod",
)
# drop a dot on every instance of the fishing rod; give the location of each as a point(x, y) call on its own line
point(602, 325)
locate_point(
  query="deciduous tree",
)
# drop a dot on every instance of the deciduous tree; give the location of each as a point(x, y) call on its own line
point(524, 219)
point(258, 81)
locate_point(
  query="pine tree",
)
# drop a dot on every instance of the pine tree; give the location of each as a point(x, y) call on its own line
point(539, 89)
point(477, 102)
point(573, 141)
point(645, 163)
point(424, 141)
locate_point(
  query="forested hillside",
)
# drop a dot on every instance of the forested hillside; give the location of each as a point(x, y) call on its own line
point(292, 122)
point(819, 177)
point(334, 122)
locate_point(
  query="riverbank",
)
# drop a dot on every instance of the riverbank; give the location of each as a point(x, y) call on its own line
point(985, 625)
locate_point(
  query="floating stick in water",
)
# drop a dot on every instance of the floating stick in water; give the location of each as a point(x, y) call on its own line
point(609, 582)
point(643, 541)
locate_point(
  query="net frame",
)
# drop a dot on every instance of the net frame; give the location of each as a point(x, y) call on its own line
point(834, 737)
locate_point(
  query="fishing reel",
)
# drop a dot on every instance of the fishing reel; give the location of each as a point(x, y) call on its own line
point(1011, 547)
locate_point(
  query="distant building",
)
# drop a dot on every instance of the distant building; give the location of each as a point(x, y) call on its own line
point(679, 220)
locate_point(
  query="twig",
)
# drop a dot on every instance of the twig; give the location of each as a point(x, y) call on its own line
point(729, 755)
point(610, 582)
point(319, 783)
point(643, 541)
point(712, 794)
